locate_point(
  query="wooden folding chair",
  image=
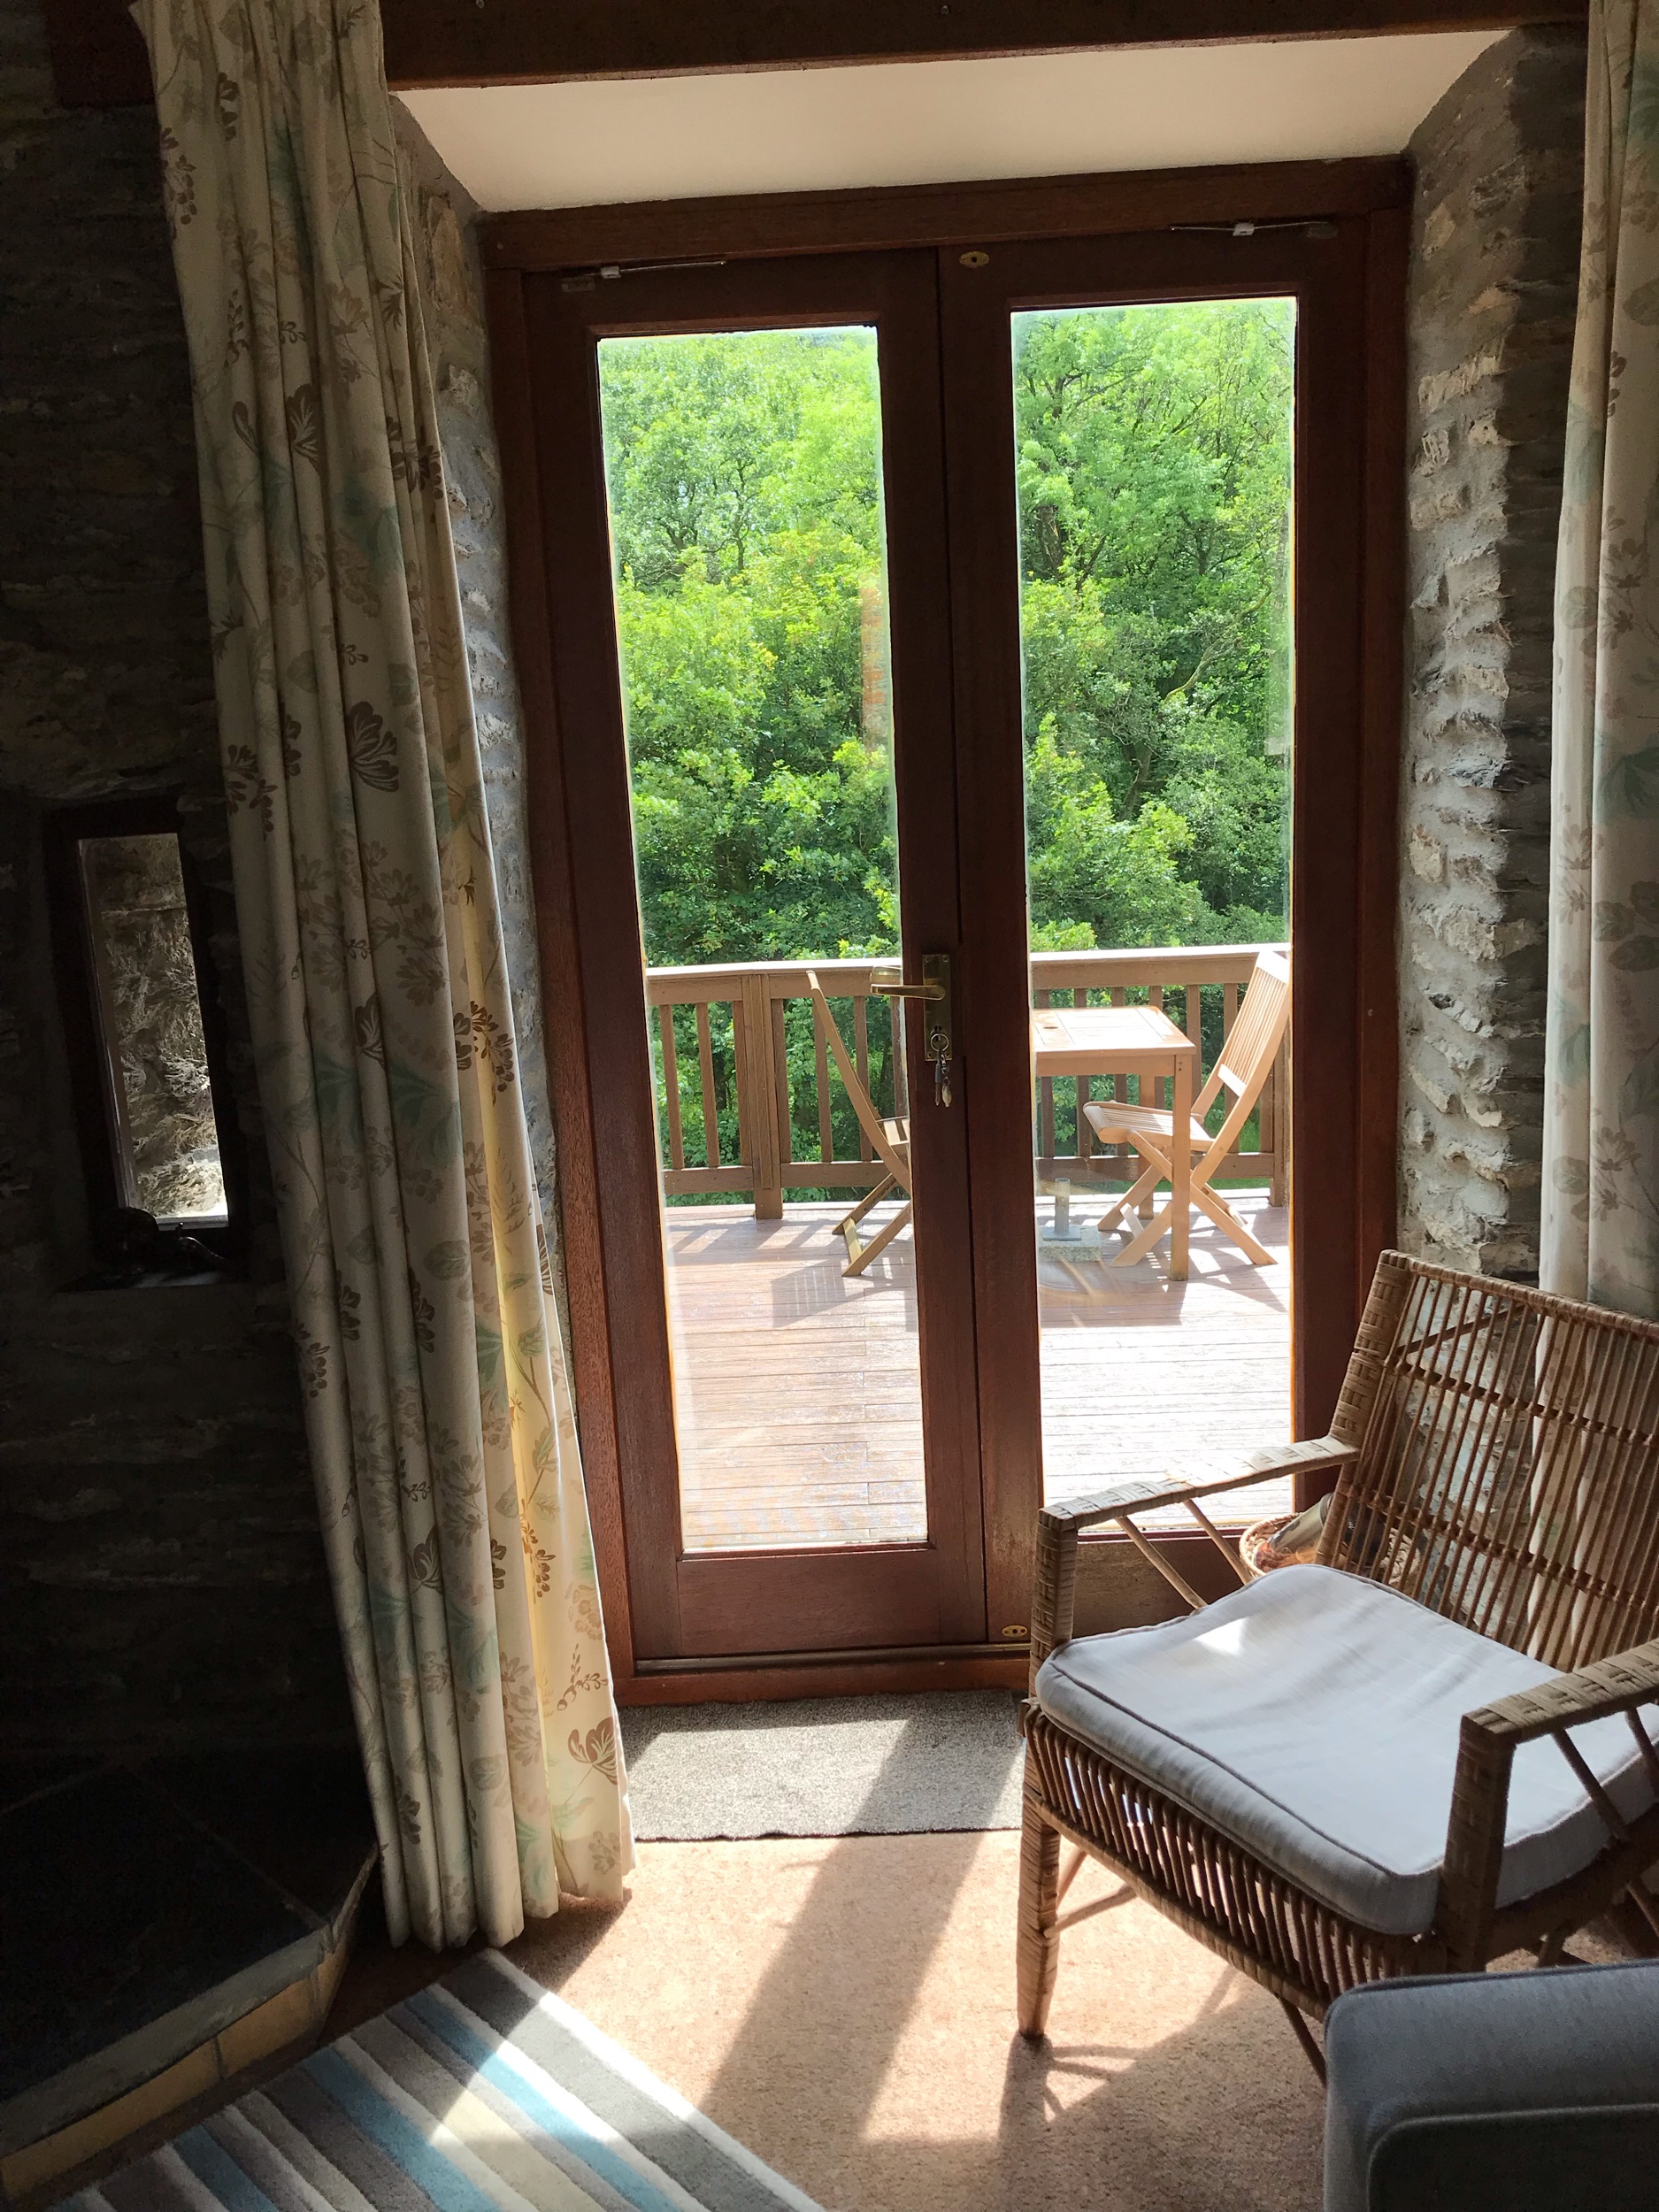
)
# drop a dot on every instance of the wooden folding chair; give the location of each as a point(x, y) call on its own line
point(889, 1139)
point(1246, 1060)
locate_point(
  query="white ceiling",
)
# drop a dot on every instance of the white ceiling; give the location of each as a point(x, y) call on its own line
point(575, 145)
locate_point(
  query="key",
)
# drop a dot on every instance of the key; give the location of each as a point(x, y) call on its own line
point(942, 1080)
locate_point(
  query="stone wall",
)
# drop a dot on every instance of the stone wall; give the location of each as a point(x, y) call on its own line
point(1493, 288)
point(161, 1572)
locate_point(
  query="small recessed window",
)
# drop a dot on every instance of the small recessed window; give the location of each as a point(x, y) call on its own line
point(142, 1042)
point(149, 1010)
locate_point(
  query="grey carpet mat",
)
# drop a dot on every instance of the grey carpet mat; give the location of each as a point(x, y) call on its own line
point(835, 1766)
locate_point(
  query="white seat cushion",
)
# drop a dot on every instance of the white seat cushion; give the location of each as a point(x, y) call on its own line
point(1313, 1716)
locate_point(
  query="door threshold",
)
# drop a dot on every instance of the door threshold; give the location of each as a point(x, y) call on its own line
point(770, 1675)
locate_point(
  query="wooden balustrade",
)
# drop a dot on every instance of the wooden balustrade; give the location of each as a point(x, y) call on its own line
point(741, 1020)
point(738, 1023)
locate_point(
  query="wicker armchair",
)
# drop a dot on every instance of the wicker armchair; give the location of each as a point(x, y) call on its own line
point(1497, 1506)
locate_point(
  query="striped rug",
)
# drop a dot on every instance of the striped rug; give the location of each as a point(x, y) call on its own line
point(485, 2093)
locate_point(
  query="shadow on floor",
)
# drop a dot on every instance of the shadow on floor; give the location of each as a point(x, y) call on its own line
point(1128, 2139)
point(872, 2066)
point(846, 2009)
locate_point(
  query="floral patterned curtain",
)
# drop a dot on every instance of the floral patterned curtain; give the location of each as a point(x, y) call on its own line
point(438, 1406)
point(1600, 1200)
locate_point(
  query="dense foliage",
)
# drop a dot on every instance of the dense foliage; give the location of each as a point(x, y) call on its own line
point(1154, 472)
point(1153, 460)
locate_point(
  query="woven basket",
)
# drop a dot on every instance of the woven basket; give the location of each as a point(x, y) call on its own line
point(1256, 1546)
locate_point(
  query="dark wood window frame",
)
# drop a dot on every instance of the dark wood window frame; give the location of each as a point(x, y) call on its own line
point(86, 1045)
point(1370, 201)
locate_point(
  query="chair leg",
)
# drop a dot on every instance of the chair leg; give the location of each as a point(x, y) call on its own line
point(848, 1226)
point(1208, 1202)
point(865, 1253)
point(1038, 1945)
point(1305, 2036)
point(1147, 1239)
point(1206, 1199)
point(1138, 1194)
point(871, 1198)
point(1637, 1914)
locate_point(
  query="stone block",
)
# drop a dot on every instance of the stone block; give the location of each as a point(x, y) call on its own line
point(1494, 281)
point(162, 1576)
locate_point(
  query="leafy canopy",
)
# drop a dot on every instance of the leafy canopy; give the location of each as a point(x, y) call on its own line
point(1153, 468)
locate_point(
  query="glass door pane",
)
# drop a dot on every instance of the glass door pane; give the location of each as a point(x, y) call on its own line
point(1154, 455)
point(744, 472)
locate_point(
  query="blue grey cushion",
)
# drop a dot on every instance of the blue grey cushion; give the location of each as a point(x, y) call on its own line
point(1536, 2091)
point(1314, 1717)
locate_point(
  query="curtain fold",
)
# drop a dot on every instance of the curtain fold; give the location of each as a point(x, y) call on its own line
point(1601, 1167)
point(437, 1400)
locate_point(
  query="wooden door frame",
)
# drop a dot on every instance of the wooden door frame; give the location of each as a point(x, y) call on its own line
point(736, 1606)
point(1343, 1020)
point(1370, 201)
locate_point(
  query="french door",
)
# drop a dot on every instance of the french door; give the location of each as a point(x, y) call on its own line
point(1341, 1048)
point(920, 1582)
point(797, 1450)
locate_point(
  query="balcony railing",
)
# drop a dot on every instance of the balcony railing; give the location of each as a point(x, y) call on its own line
point(747, 1102)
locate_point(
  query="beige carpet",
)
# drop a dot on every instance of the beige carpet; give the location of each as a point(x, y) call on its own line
point(845, 2006)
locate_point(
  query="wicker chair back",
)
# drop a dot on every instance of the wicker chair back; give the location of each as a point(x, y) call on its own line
point(1507, 1474)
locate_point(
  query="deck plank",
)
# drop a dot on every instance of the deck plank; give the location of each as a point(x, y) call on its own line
point(798, 1400)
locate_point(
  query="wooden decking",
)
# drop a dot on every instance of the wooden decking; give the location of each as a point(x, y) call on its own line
point(799, 1410)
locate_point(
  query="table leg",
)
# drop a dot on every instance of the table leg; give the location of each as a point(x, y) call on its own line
point(1180, 1166)
point(1161, 1219)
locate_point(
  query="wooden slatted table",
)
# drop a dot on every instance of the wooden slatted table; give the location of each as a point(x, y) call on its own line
point(1131, 1041)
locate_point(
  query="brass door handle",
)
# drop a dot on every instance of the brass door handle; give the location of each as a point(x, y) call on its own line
point(934, 991)
point(907, 990)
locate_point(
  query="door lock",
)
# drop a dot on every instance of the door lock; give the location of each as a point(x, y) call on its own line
point(934, 991)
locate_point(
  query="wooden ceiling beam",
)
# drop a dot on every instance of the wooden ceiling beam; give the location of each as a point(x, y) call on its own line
point(98, 59)
point(504, 41)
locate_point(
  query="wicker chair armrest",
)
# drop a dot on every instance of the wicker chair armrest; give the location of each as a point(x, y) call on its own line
point(1237, 1472)
point(1058, 1525)
point(1488, 1743)
point(1618, 1685)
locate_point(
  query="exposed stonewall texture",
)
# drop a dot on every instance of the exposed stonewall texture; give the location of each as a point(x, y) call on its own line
point(135, 891)
point(1492, 290)
point(161, 1569)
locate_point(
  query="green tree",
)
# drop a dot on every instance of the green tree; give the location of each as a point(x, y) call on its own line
point(1154, 471)
point(716, 445)
point(745, 488)
point(1119, 879)
point(1152, 466)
